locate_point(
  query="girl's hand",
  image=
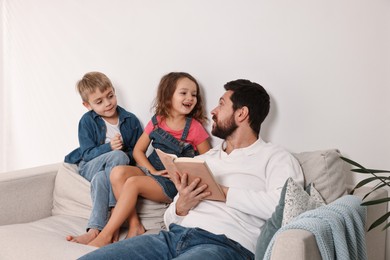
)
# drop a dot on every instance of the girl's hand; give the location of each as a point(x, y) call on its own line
point(163, 173)
point(116, 142)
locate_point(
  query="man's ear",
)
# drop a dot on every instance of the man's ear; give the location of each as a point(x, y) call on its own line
point(242, 113)
point(87, 105)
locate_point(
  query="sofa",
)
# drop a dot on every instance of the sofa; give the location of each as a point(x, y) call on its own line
point(40, 206)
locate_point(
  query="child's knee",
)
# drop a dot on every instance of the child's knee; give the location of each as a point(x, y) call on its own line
point(119, 157)
point(134, 183)
point(99, 178)
point(116, 174)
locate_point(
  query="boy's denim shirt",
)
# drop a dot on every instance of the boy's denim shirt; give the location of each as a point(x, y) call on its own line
point(92, 135)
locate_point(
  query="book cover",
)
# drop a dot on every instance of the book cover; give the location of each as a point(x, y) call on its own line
point(194, 168)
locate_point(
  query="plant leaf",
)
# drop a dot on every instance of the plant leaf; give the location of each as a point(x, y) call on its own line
point(387, 225)
point(365, 181)
point(351, 162)
point(368, 171)
point(374, 202)
point(381, 185)
point(379, 221)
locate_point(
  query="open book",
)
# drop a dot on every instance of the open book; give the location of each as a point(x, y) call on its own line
point(194, 168)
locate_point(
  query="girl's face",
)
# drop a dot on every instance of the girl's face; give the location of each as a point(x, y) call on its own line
point(185, 97)
point(103, 103)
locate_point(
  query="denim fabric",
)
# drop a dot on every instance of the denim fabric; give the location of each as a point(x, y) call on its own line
point(97, 171)
point(177, 243)
point(166, 142)
point(92, 135)
point(96, 159)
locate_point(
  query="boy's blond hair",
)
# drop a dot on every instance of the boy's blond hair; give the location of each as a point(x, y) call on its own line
point(92, 81)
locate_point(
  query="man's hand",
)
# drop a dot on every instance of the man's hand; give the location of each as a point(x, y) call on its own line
point(190, 194)
point(116, 142)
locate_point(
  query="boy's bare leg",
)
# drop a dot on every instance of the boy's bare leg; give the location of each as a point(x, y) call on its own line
point(144, 186)
point(84, 238)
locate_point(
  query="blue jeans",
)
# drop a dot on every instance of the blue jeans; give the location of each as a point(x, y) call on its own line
point(97, 171)
point(178, 243)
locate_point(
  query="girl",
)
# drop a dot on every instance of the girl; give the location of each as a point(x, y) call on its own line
point(176, 127)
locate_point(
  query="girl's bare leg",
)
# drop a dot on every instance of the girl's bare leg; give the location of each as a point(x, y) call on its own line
point(144, 186)
point(120, 174)
point(118, 177)
point(135, 226)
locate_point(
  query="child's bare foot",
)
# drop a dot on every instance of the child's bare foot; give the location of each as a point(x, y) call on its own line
point(101, 241)
point(84, 238)
point(115, 237)
point(135, 231)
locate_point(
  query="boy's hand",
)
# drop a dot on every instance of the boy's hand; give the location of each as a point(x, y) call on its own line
point(116, 142)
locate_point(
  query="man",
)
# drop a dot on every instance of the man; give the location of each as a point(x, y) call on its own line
point(251, 173)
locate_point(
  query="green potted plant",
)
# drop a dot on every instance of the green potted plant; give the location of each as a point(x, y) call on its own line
point(379, 181)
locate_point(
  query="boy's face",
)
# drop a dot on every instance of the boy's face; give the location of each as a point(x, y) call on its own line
point(103, 103)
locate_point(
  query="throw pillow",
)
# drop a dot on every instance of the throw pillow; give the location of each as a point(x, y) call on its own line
point(71, 195)
point(275, 222)
point(326, 171)
point(297, 201)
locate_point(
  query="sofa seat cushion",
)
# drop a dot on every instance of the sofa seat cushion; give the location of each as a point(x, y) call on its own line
point(43, 239)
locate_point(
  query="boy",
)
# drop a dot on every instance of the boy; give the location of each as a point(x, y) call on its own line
point(107, 136)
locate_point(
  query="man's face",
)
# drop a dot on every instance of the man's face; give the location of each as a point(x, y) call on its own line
point(223, 116)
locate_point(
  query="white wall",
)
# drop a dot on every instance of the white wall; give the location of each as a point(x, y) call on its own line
point(325, 63)
point(2, 96)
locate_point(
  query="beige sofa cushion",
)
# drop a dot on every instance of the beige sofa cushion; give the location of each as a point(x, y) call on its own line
point(43, 239)
point(72, 197)
point(326, 170)
point(71, 194)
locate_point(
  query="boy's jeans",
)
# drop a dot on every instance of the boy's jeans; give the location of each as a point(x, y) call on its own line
point(97, 171)
point(177, 243)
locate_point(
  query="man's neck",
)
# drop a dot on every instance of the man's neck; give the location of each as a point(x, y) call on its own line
point(237, 141)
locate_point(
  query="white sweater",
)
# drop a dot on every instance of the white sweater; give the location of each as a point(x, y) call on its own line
point(255, 176)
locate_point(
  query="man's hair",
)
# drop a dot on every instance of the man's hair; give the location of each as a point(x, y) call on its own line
point(254, 97)
point(92, 81)
point(166, 88)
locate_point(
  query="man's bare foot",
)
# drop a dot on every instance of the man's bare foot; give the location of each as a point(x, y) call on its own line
point(135, 231)
point(84, 238)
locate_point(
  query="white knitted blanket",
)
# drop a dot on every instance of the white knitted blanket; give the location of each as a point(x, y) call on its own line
point(338, 229)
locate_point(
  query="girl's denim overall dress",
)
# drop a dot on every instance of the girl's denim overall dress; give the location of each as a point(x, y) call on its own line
point(168, 144)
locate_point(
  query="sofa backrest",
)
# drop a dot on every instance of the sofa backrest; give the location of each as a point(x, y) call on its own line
point(326, 171)
point(71, 195)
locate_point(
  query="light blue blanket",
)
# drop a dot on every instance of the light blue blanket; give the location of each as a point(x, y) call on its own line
point(338, 229)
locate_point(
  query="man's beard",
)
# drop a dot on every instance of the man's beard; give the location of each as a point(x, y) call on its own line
point(224, 130)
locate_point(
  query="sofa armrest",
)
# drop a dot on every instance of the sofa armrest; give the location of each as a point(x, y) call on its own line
point(27, 195)
point(375, 238)
point(300, 244)
point(295, 244)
